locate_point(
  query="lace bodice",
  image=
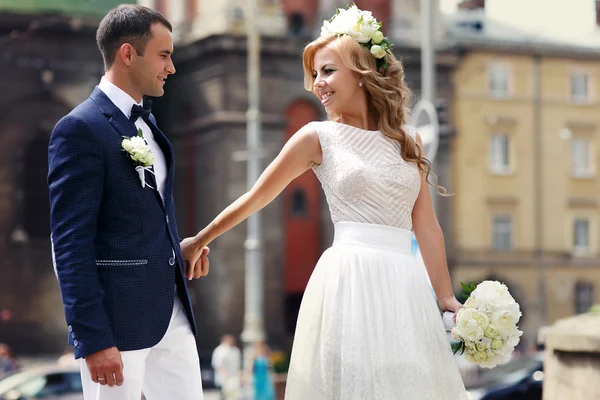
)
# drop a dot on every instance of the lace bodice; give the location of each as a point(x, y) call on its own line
point(364, 177)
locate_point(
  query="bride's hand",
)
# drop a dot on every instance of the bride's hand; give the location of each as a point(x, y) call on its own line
point(450, 304)
point(195, 257)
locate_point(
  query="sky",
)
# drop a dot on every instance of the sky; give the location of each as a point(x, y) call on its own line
point(557, 18)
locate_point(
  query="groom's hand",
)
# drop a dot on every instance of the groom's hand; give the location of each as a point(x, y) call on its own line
point(106, 367)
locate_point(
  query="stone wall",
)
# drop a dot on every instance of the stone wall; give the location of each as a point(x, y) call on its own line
point(572, 364)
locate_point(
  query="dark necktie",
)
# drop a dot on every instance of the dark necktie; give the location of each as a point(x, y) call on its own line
point(139, 111)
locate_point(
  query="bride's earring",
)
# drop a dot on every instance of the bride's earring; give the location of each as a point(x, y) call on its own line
point(360, 84)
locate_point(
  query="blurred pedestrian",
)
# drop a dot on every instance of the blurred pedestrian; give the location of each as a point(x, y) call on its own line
point(261, 372)
point(8, 363)
point(227, 363)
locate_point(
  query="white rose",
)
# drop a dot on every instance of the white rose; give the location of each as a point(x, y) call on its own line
point(491, 331)
point(363, 30)
point(340, 23)
point(377, 37)
point(471, 302)
point(127, 145)
point(468, 326)
point(493, 295)
point(377, 51)
point(497, 344)
point(504, 321)
point(137, 142)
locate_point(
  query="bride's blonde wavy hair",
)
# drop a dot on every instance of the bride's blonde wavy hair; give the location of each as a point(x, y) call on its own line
point(388, 96)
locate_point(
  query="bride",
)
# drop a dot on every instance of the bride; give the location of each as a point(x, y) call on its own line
point(368, 326)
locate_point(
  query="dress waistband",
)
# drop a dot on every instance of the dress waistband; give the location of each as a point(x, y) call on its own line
point(373, 235)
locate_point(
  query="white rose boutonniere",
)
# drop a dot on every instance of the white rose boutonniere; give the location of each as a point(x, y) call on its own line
point(140, 154)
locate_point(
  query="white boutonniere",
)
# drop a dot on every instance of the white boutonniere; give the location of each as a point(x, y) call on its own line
point(140, 154)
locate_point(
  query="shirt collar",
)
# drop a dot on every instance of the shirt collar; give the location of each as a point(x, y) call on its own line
point(122, 100)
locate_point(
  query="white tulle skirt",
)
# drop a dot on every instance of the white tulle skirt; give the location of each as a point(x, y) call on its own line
point(369, 326)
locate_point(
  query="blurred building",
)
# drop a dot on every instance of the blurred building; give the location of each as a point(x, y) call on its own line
point(49, 63)
point(204, 113)
point(525, 165)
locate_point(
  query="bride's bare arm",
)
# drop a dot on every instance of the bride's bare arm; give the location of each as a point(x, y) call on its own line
point(431, 243)
point(299, 154)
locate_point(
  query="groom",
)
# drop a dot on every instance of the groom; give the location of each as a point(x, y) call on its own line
point(116, 250)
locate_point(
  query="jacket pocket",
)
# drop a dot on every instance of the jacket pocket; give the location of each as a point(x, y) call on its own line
point(122, 263)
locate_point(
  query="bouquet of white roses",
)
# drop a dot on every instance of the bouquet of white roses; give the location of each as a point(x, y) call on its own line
point(486, 327)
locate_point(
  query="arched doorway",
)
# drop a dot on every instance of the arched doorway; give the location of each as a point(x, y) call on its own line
point(301, 221)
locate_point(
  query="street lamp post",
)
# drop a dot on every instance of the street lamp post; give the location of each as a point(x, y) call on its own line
point(253, 311)
point(428, 66)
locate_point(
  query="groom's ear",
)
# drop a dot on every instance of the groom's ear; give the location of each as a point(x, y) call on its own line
point(126, 53)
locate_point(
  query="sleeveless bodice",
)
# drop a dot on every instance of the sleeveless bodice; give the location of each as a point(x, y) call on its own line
point(364, 176)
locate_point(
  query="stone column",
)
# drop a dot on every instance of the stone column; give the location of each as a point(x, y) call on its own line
point(572, 358)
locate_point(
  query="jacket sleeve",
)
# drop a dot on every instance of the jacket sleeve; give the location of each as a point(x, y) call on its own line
point(75, 181)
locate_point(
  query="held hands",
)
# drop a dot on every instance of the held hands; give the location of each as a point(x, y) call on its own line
point(195, 257)
point(106, 367)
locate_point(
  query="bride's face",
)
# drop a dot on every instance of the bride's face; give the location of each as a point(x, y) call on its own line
point(335, 85)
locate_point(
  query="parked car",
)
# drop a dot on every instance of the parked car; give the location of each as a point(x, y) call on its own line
point(50, 382)
point(520, 379)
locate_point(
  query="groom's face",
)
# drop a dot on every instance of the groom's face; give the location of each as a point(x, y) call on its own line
point(152, 69)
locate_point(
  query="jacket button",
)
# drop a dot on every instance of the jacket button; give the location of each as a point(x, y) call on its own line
point(70, 328)
point(171, 261)
point(76, 343)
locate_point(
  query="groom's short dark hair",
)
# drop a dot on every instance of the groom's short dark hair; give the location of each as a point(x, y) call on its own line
point(127, 23)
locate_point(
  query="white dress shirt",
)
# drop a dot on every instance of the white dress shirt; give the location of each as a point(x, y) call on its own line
point(124, 102)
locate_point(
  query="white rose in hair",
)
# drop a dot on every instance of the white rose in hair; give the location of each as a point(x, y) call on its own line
point(377, 51)
point(377, 37)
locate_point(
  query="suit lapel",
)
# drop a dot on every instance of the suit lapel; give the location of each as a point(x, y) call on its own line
point(126, 128)
point(167, 150)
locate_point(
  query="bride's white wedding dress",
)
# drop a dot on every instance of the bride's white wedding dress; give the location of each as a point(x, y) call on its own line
point(369, 326)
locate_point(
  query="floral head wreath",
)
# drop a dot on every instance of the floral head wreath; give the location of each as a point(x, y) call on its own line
point(364, 28)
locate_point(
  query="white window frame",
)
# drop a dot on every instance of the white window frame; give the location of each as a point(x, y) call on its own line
point(496, 71)
point(580, 98)
point(581, 249)
point(505, 227)
point(582, 158)
point(500, 158)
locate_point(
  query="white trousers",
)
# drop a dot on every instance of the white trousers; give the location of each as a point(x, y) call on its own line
point(168, 371)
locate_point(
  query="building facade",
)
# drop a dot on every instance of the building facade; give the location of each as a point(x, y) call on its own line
point(525, 167)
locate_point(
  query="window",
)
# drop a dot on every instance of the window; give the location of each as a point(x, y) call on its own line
point(581, 236)
point(299, 207)
point(580, 87)
point(498, 76)
point(584, 297)
point(502, 232)
point(499, 154)
point(581, 160)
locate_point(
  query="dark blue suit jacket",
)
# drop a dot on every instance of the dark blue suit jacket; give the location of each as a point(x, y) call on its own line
point(115, 244)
